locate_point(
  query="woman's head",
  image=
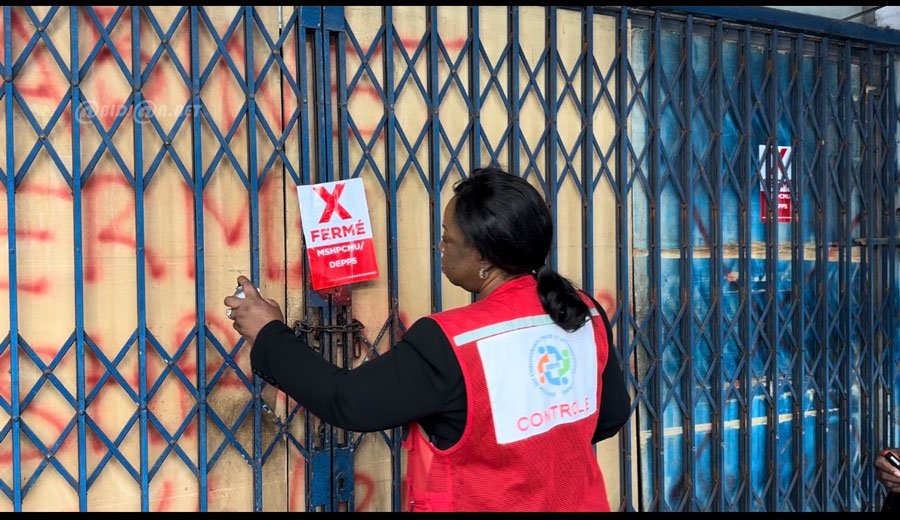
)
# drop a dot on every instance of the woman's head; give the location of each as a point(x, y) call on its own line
point(497, 225)
point(505, 219)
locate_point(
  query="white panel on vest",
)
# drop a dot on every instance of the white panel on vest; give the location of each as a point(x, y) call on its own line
point(538, 378)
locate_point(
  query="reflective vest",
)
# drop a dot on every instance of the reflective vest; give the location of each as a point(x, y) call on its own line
point(533, 394)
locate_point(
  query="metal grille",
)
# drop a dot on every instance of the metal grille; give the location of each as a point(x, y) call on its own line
point(763, 355)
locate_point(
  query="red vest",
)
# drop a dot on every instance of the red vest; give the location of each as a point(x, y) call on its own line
point(533, 393)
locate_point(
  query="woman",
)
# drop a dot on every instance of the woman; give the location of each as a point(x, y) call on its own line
point(504, 397)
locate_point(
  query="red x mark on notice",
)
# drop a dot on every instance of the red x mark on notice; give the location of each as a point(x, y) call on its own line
point(331, 203)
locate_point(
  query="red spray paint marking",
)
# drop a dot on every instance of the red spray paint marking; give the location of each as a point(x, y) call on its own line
point(165, 499)
point(46, 354)
point(39, 235)
point(274, 262)
point(295, 268)
point(608, 302)
point(41, 190)
point(29, 452)
point(40, 57)
point(298, 474)
point(221, 327)
point(33, 413)
point(234, 231)
point(157, 82)
point(368, 492)
point(39, 286)
point(112, 233)
point(235, 50)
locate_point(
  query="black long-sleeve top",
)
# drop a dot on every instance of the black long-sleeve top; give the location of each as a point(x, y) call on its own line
point(419, 379)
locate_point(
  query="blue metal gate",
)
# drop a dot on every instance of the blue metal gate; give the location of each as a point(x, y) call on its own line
point(762, 340)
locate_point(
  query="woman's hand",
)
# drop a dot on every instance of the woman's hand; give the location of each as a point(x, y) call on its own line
point(252, 312)
point(886, 473)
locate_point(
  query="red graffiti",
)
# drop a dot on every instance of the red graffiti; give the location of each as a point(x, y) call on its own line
point(166, 496)
point(225, 86)
point(96, 192)
point(220, 326)
point(40, 58)
point(41, 235)
point(608, 301)
point(234, 231)
point(274, 262)
point(296, 486)
point(35, 413)
point(31, 416)
point(38, 286)
point(368, 484)
point(64, 194)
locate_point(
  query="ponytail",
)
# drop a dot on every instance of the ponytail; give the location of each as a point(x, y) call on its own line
point(560, 299)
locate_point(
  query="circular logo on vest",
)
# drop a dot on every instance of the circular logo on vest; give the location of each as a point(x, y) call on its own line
point(552, 365)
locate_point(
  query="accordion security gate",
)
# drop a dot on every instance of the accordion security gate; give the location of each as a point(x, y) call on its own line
point(151, 155)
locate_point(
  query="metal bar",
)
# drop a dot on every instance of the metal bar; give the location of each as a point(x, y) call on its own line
point(716, 276)
point(343, 114)
point(253, 174)
point(686, 281)
point(552, 132)
point(13, 277)
point(434, 154)
point(326, 174)
point(326, 133)
point(868, 449)
point(655, 260)
point(846, 259)
point(390, 158)
point(140, 263)
point(79, 261)
point(305, 130)
point(798, 279)
point(892, 434)
point(587, 153)
point(475, 87)
point(773, 501)
point(200, 286)
point(514, 101)
point(342, 481)
point(623, 263)
point(822, 267)
point(620, 322)
point(806, 23)
point(322, 139)
point(745, 252)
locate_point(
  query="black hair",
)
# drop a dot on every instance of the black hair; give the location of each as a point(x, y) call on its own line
point(507, 221)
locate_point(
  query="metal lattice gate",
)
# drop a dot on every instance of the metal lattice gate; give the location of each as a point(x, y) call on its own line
point(152, 154)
